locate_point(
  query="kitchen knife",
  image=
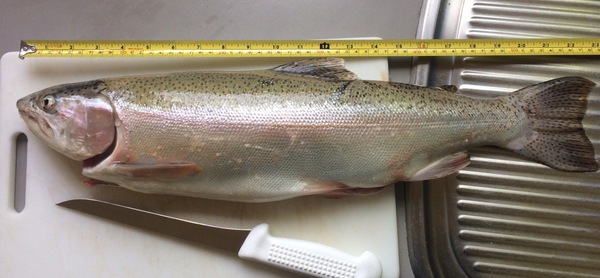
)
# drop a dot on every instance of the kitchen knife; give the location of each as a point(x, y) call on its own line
point(257, 244)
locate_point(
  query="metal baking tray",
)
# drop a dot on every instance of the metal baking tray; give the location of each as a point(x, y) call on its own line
point(504, 216)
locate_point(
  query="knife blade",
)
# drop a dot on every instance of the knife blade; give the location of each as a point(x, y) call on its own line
point(306, 257)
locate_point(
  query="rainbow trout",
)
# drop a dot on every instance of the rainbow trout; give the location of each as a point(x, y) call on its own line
point(303, 128)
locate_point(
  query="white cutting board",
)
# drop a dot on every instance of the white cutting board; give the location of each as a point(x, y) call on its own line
point(45, 240)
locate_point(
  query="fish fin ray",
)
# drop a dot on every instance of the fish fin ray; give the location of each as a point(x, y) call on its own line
point(442, 167)
point(327, 68)
point(353, 191)
point(95, 182)
point(555, 135)
point(163, 171)
point(333, 189)
point(449, 88)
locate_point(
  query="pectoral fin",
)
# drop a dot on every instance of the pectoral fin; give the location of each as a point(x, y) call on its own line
point(165, 171)
point(442, 167)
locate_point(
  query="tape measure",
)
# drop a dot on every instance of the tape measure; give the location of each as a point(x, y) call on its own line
point(311, 48)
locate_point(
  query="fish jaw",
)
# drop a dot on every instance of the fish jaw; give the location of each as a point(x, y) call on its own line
point(38, 125)
point(73, 119)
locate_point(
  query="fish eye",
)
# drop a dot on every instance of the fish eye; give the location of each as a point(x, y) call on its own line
point(48, 102)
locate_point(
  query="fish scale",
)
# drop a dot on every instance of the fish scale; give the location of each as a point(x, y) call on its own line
point(311, 127)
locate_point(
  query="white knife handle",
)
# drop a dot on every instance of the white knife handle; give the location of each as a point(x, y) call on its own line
point(307, 257)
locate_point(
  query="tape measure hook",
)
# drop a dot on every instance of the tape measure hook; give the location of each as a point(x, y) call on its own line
point(26, 49)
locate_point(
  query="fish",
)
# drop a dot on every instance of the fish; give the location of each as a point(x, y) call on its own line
point(308, 127)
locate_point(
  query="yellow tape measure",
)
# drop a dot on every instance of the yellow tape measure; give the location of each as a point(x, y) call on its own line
point(311, 48)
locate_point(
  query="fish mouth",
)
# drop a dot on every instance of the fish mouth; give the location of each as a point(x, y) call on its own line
point(36, 123)
point(28, 116)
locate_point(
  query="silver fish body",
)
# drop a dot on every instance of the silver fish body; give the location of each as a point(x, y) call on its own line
point(309, 127)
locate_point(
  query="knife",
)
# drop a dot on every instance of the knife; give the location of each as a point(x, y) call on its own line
point(306, 257)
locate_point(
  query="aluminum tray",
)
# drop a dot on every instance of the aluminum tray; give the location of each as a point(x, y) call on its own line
point(504, 216)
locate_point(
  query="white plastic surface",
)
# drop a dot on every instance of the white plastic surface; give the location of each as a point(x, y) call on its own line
point(307, 257)
point(46, 240)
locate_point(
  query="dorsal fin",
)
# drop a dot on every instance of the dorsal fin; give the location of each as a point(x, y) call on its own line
point(449, 88)
point(328, 68)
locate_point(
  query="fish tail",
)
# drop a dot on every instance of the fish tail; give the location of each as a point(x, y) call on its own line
point(554, 134)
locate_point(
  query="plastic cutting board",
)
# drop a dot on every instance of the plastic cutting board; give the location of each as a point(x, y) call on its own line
point(45, 240)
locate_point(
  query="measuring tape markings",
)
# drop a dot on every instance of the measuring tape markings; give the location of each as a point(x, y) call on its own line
point(311, 48)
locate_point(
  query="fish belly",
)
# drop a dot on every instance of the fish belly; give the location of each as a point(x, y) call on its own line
point(263, 136)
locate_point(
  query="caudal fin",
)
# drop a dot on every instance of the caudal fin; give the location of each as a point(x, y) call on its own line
point(555, 109)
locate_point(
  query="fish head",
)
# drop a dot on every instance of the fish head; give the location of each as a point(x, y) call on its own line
point(75, 119)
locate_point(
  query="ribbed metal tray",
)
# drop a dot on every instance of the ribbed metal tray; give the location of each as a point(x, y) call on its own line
point(504, 216)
